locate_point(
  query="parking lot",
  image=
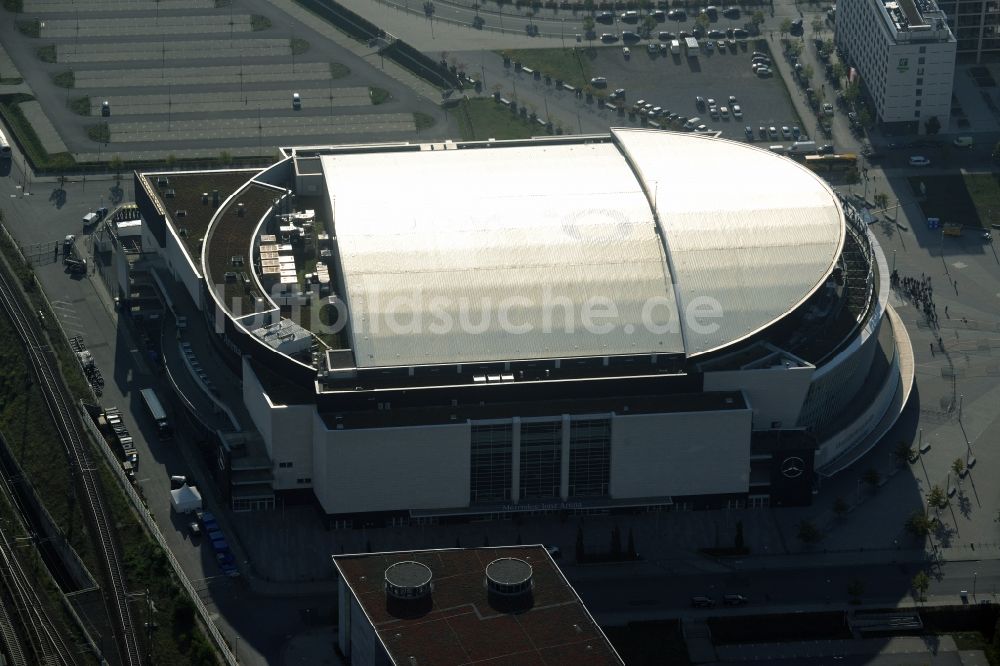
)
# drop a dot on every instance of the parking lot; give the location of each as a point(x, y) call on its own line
point(674, 81)
point(669, 81)
point(193, 78)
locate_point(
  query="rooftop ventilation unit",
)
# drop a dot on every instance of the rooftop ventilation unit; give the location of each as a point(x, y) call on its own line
point(408, 587)
point(509, 585)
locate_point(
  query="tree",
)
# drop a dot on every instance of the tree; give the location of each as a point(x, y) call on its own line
point(918, 524)
point(702, 21)
point(936, 498)
point(817, 25)
point(588, 28)
point(738, 541)
point(958, 466)
point(920, 584)
point(794, 49)
point(865, 118)
point(872, 477)
point(648, 25)
point(808, 533)
point(756, 19)
point(903, 451)
point(933, 125)
point(855, 589)
point(225, 157)
point(840, 507)
point(808, 71)
point(785, 27)
point(116, 164)
point(171, 160)
point(581, 551)
point(851, 91)
point(630, 549)
point(838, 70)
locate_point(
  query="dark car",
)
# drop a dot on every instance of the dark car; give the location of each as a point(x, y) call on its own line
point(731, 12)
point(659, 15)
point(699, 102)
point(749, 132)
point(629, 37)
point(677, 15)
point(683, 34)
point(667, 36)
point(698, 32)
point(702, 602)
point(740, 33)
point(619, 93)
point(825, 149)
point(605, 17)
point(734, 600)
point(716, 34)
point(194, 529)
point(609, 38)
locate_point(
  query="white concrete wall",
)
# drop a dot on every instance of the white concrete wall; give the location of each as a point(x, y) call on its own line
point(181, 267)
point(286, 430)
point(774, 394)
point(680, 454)
point(258, 405)
point(386, 469)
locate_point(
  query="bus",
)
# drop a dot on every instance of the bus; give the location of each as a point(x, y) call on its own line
point(825, 163)
point(156, 412)
point(4, 146)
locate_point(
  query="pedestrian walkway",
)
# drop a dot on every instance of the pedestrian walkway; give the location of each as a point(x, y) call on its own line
point(919, 647)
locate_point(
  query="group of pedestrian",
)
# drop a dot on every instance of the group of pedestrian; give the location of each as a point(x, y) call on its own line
point(920, 292)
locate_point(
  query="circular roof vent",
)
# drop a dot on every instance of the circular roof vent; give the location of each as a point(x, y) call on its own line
point(408, 580)
point(508, 576)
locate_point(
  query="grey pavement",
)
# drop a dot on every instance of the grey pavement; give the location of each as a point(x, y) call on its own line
point(8, 70)
point(917, 647)
point(248, 128)
point(43, 127)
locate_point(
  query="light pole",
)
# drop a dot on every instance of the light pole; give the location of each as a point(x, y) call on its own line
point(974, 575)
point(562, 32)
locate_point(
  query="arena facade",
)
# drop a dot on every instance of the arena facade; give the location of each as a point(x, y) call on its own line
point(610, 322)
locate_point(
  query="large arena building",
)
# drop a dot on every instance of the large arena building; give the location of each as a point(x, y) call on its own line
point(623, 321)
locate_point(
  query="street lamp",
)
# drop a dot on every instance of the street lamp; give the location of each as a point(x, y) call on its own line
point(974, 585)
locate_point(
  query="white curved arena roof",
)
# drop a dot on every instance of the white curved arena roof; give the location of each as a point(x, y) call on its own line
point(587, 247)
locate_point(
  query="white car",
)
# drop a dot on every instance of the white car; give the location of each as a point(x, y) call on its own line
point(627, 52)
point(786, 133)
point(737, 111)
point(828, 109)
point(763, 71)
point(732, 99)
point(919, 161)
point(724, 110)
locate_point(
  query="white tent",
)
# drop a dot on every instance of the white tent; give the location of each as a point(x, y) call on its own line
point(185, 499)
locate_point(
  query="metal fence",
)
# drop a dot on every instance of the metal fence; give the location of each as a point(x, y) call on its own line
point(154, 530)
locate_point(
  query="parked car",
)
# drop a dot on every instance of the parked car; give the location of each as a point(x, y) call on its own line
point(825, 149)
point(724, 112)
point(749, 132)
point(194, 529)
point(716, 34)
point(599, 82)
point(734, 600)
point(605, 17)
point(699, 102)
point(786, 133)
point(919, 161)
point(609, 38)
point(619, 94)
point(796, 132)
point(763, 72)
point(667, 36)
point(737, 111)
point(627, 52)
point(629, 17)
point(772, 132)
point(678, 15)
point(740, 33)
point(828, 109)
point(762, 132)
point(732, 13)
point(702, 602)
point(652, 48)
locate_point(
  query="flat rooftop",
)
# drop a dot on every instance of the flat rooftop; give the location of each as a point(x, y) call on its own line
point(462, 626)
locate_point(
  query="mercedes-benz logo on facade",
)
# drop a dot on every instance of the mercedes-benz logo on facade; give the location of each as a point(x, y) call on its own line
point(792, 467)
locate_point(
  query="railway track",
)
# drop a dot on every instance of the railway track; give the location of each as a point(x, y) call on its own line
point(61, 409)
point(46, 640)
